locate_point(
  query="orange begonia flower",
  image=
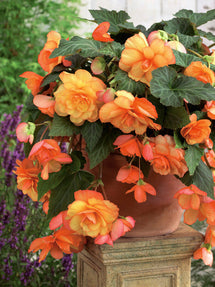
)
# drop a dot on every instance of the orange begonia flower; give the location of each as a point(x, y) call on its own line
point(196, 131)
point(63, 240)
point(33, 81)
point(47, 152)
point(209, 107)
point(140, 190)
point(27, 177)
point(129, 174)
point(204, 254)
point(59, 220)
point(167, 159)
point(129, 113)
point(210, 157)
point(45, 104)
point(100, 33)
point(139, 59)
point(90, 214)
point(47, 64)
point(129, 145)
point(210, 235)
point(77, 96)
point(201, 72)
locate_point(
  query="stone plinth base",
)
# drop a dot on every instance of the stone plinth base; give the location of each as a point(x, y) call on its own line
point(162, 261)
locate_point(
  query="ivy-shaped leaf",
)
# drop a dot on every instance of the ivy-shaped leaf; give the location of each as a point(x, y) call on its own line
point(186, 40)
point(62, 126)
point(193, 156)
point(203, 179)
point(172, 88)
point(86, 47)
point(182, 25)
point(197, 18)
point(175, 118)
point(113, 17)
point(92, 133)
point(112, 49)
point(127, 84)
point(207, 35)
point(63, 194)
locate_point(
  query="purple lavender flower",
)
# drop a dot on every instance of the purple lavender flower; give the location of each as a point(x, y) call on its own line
point(7, 268)
point(67, 264)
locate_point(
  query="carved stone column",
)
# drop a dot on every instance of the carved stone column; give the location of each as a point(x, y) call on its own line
point(162, 261)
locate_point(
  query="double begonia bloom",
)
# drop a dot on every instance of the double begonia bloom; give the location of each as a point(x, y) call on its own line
point(129, 145)
point(139, 59)
point(47, 64)
point(201, 72)
point(48, 153)
point(27, 177)
point(91, 215)
point(77, 96)
point(204, 254)
point(140, 190)
point(62, 241)
point(100, 33)
point(167, 159)
point(45, 104)
point(129, 174)
point(196, 131)
point(209, 107)
point(129, 113)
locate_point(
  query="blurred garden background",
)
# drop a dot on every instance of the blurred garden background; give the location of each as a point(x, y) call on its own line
point(24, 25)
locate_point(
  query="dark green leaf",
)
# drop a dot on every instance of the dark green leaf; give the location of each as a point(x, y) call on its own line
point(193, 156)
point(127, 84)
point(113, 17)
point(92, 133)
point(103, 147)
point(203, 179)
point(179, 140)
point(62, 126)
point(112, 49)
point(172, 88)
point(183, 59)
point(182, 25)
point(86, 47)
point(207, 35)
point(52, 77)
point(186, 40)
point(197, 18)
point(63, 194)
point(175, 118)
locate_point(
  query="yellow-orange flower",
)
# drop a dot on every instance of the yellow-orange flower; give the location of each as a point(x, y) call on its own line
point(201, 72)
point(139, 59)
point(129, 113)
point(209, 107)
point(167, 159)
point(196, 131)
point(90, 214)
point(77, 96)
point(27, 177)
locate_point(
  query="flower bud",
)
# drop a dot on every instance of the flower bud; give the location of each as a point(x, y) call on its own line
point(160, 34)
point(98, 65)
point(176, 45)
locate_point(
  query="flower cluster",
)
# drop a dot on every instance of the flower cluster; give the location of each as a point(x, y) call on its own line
point(146, 95)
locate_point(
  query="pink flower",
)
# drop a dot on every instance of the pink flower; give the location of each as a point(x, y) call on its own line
point(204, 254)
point(25, 132)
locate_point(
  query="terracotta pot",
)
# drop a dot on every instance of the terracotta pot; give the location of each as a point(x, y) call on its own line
point(159, 215)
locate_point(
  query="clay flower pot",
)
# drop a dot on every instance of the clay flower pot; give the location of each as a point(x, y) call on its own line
point(159, 215)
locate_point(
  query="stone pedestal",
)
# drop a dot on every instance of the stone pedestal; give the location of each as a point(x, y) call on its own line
point(161, 261)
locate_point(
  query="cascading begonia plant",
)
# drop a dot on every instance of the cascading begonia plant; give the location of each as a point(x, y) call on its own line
point(147, 94)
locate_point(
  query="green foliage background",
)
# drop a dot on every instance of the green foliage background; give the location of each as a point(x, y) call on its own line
point(24, 25)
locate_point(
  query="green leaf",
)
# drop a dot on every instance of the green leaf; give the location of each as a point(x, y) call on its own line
point(193, 156)
point(172, 88)
point(63, 194)
point(127, 84)
point(182, 25)
point(103, 147)
point(52, 77)
point(179, 140)
point(62, 126)
point(112, 49)
point(113, 17)
point(86, 47)
point(207, 35)
point(186, 40)
point(92, 133)
point(185, 60)
point(197, 18)
point(203, 179)
point(175, 118)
